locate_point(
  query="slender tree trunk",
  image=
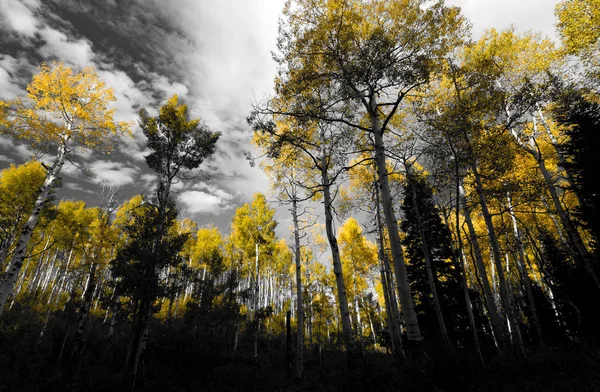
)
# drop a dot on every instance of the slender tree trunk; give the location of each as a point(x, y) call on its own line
point(84, 310)
point(19, 254)
point(567, 223)
point(493, 311)
point(574, 237)
point(358, 328)
point(288, 342)
point(432, 280)
point(460, 258)
point(562, 163)
point(337, 264)
point(140, 347)
point(397, 322)
point(389, 295)
point(33, 284)
point(522, 265)
point(140, 336)
point(55, 299)
point(404, 293)
point(388, 309)
point(256, 302)
point(504, 289)
point(299, 303)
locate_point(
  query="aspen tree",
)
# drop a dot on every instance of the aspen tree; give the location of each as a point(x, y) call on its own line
point(354, 62)
point(63, 110)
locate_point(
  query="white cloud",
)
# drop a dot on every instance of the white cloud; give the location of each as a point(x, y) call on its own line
point(76, 187)
point(68, 168)
point(113, 173)
point(19, 16)
point(76, 52)
point(9, 87)
point(199, 202)
point(161, 83)
point(128, 94)
point(232, 63)
point(149, 179)
point(19, 150)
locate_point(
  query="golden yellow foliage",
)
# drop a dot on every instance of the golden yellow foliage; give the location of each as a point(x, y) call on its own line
point(63, 107)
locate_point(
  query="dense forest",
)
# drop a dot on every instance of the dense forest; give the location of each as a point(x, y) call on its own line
point(444, 209)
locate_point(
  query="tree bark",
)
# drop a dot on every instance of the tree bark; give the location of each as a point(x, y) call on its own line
point(566, 222)
point(493, 311)
point(462, 264)
point(521, 257)
point(256, 302)
point(84, 310)
point(432, 280)
point(19, 254)
point(574, 237)
point(504, 289)
point(299, 303)
point(337, 264)
point(406, 300)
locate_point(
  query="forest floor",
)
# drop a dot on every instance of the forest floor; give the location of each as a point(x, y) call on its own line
point(555, 369)
point(178, 363)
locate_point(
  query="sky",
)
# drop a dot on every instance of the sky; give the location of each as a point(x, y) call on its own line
point(216, 55)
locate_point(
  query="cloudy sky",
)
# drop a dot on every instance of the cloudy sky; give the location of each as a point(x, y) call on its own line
point(214, 54)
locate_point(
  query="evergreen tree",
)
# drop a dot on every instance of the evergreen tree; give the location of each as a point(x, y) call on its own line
point(439, 245)
point(137, 266)
point(580, 115)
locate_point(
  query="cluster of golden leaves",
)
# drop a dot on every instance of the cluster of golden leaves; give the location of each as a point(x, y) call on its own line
point(63, 107)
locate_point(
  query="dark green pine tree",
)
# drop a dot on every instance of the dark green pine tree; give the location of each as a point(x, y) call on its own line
point(138, 265)
point(571, 285)
point(446, 277)
point(579, 111)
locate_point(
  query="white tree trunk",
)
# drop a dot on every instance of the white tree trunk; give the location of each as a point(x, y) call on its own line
point(335, 255)
point(522, 265)
point(575, 239)
point(394, 321)
point(404, 293)
point(20, 252)
point(300, 307)
point(504, 289)
point(493, 311)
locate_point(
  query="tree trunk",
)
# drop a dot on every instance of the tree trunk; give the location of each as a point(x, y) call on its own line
point(299, 304)
point(562, 163)
point(140, 336)
point(256, 302)
point(358, 328)
point(337, 264)
point(84, 310)
point(566, 222)
point(461, 262)
point(396, 323)
point(504, 289)
point(288, 342)
point(404, 293)
point(521, 257)
point(432, 280)
point(19, 254)
point(574, 237)
point(493, 311)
